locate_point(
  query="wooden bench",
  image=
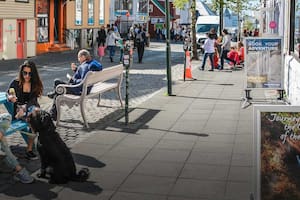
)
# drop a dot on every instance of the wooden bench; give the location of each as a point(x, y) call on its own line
point(16, 125)
point(101, 81)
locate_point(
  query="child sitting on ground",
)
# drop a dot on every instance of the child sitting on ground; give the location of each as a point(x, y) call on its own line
point(216, 59)
point(241, 52)
point(233, 56)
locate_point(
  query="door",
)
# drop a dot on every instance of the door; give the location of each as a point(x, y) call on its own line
point(20, 38)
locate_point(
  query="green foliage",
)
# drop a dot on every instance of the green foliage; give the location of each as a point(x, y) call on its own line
point(180, 3)
point(248, 25)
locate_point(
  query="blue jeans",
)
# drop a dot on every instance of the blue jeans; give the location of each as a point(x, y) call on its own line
point(9, 159)
point(111, 51)
point(121, 54)
point(211, 58)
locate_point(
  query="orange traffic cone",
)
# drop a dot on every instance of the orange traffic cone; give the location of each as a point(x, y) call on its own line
point(188, 68)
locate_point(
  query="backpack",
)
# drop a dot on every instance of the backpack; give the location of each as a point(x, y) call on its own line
point(140, 37)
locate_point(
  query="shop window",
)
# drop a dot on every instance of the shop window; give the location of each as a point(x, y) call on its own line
point(1, 35)
point(295, 28)
point(42, 21)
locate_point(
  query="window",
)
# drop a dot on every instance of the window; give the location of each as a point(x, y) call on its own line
point(91, 12)
point(42, 21)
point(295, 34)
point(142, 6)
point(1, 35)
point(122, 6)
point(101, 12)
point(78, 12)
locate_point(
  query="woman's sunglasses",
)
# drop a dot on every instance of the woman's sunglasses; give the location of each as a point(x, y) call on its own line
point(24, 73)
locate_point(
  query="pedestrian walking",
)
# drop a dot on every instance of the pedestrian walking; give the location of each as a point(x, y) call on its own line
point(101, 36)
point(209, 50)
point(225, 48)
point(121, 44)
point(111, 43)
point(101, 51)
point(140, 41)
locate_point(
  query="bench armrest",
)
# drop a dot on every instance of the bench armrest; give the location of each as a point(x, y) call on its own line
point(62, 88)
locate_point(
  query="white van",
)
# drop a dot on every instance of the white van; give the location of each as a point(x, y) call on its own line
point(203, 26)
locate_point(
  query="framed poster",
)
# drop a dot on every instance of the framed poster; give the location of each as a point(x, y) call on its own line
point(264, 62)
point(277, 152)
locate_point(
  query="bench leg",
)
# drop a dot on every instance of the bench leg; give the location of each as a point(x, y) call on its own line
point(57, 103)
point(99, 99)
point(118, 92)
point(83, 114)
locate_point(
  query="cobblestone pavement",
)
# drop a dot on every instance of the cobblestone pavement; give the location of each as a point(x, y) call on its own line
point(145, 81)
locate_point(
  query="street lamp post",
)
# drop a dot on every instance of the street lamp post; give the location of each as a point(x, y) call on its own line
point(168, 48)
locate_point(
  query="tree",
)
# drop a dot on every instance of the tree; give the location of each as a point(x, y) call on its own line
point(181, 4)
point(236, 6)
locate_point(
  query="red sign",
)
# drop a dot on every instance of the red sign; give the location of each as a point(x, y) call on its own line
point(127, 14)
point(272, 24)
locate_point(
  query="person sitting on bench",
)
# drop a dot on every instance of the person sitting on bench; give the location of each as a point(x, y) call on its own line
point(86, 64)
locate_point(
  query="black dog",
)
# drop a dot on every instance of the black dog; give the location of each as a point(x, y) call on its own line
point(56, 158)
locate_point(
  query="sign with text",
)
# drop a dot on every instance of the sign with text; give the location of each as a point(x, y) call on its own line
point(264, 62)
point(277, 150)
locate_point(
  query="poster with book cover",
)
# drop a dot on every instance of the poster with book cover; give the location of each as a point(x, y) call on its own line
point(277, 152)
point(263, 62)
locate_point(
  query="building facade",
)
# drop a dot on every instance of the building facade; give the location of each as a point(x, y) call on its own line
point(83, 20)
point(50, 25)
point(126, 13)
point(282, 18)
point(17, 22)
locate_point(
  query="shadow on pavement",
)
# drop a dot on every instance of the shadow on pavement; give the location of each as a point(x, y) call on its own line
point(88, 161)
point(42, 190)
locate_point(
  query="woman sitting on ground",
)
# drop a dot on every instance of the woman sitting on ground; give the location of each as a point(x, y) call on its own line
point(21, 174)
point(241, 52)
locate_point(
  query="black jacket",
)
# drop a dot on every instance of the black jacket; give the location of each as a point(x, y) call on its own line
point(32, 100)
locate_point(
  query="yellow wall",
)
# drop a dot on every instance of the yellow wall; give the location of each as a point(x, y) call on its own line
point(16, 10)
point(10, 11)
point(70, 21)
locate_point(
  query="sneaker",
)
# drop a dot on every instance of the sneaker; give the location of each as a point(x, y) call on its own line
point(23, 176)
point(51, 94)
point(31, 156)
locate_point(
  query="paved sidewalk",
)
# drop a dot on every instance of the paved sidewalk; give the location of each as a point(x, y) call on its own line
point(195, 145)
